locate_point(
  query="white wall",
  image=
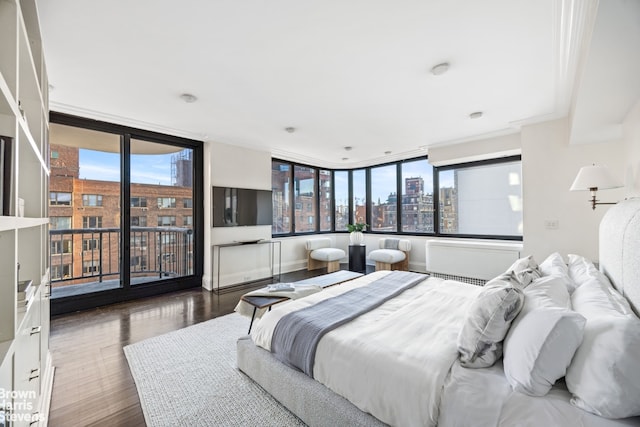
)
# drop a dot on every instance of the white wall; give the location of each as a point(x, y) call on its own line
point(631, 143)
point(231, 166)
point(549, 166)
point(489, 148)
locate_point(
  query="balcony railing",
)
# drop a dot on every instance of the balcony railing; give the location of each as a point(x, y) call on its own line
point(90, 255)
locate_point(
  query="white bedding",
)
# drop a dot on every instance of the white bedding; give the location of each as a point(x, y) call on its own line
point(483, 397)
point(393, 361)
point(400, 364)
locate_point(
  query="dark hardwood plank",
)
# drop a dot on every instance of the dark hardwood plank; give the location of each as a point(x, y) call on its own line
point(93, 385)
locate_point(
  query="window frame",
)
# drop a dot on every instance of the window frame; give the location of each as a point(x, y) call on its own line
point(137, 219)
point(90, 244)
point(479, 163)
point(174, 222)
point(86, 221)
point(58, 247)
point(60, 268)
point(55, 202)
point(172, 202)
point(399, 205)
point(54, 223)
point(140, 202)
point(88, 198)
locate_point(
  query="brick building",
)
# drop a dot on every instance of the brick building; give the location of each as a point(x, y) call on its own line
point(85, 220)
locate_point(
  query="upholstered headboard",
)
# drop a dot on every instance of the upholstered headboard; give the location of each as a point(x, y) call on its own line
point(620, 249)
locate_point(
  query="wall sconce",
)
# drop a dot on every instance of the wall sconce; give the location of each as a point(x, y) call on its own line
point(594, 178)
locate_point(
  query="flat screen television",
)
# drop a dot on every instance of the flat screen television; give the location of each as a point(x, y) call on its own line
point(235, 207)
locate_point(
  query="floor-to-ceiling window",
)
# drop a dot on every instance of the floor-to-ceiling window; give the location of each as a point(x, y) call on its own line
point(125, 206)
point(161, 211)
point(359, 199)
point(480, 199)
point(281, 193)
point(384, 199)
point(341, 199)
point(417, 196)
point(304, 179)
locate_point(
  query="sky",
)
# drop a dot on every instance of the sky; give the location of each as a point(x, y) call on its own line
point(145, 168)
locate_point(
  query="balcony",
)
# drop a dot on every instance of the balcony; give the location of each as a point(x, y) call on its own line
point(89, 260)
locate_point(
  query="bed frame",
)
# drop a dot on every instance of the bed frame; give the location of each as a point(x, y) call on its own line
point(316, 405)
point(620, 249)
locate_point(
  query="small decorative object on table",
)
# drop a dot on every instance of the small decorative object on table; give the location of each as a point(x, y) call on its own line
point(356, 237)
point(281, 287)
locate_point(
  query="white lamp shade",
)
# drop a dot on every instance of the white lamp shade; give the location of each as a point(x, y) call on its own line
point(597, 177)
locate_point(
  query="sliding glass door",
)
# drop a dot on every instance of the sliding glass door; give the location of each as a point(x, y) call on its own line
point(84, 211)
point(161, 211)
point(125, 206)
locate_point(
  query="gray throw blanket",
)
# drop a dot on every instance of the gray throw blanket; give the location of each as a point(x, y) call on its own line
point(296, 335)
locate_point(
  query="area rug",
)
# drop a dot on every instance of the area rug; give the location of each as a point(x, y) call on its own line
point(189, 378)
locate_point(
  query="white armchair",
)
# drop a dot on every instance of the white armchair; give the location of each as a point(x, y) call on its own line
point(392, 255)
point(320, 254)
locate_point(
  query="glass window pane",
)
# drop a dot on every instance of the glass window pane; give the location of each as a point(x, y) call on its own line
point(417, 197)
point(87, 167)
point(138, 202)
point(60, 222)
point(304, 179)
point(384, 198)
point(341, 202)
point(359, 196)
point(161, 183)
point(91, 200)
point(326, 210)
point(59, 199)
point(280, 193)
point(482, 200)
point(448, 202)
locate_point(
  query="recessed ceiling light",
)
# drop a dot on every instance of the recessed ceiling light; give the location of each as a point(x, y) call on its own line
point(476, 115)
point(440, 69)
point(348, 148)
point(387, 152)
point(345, 158)
point(188, 98)
point(290, 129)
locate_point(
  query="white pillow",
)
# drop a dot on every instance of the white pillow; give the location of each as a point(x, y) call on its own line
point(543, 338)
point(487, 322)
point(581, 270)
point(554, 265)
point(604, 376)
point(525, 270)
point(584, 272)
point(547, 291)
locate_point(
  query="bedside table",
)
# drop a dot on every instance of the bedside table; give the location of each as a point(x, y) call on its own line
point(358, 258)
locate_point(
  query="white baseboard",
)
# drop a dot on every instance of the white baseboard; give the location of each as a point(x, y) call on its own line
point(207, 283)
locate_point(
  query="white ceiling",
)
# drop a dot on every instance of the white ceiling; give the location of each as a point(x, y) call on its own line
point(342, 73)
point(609, 84)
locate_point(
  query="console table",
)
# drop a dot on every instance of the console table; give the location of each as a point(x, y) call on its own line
point(275, 250)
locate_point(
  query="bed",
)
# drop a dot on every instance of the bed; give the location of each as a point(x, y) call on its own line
point(402, 363)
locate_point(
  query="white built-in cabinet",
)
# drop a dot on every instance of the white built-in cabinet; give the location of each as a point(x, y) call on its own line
point(26, 373)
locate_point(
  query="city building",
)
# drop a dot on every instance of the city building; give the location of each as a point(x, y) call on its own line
point(85, 220)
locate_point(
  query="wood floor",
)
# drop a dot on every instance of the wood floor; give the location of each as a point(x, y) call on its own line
point(92, 384)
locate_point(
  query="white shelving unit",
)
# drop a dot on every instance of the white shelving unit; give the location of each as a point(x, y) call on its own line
point(26, 373)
